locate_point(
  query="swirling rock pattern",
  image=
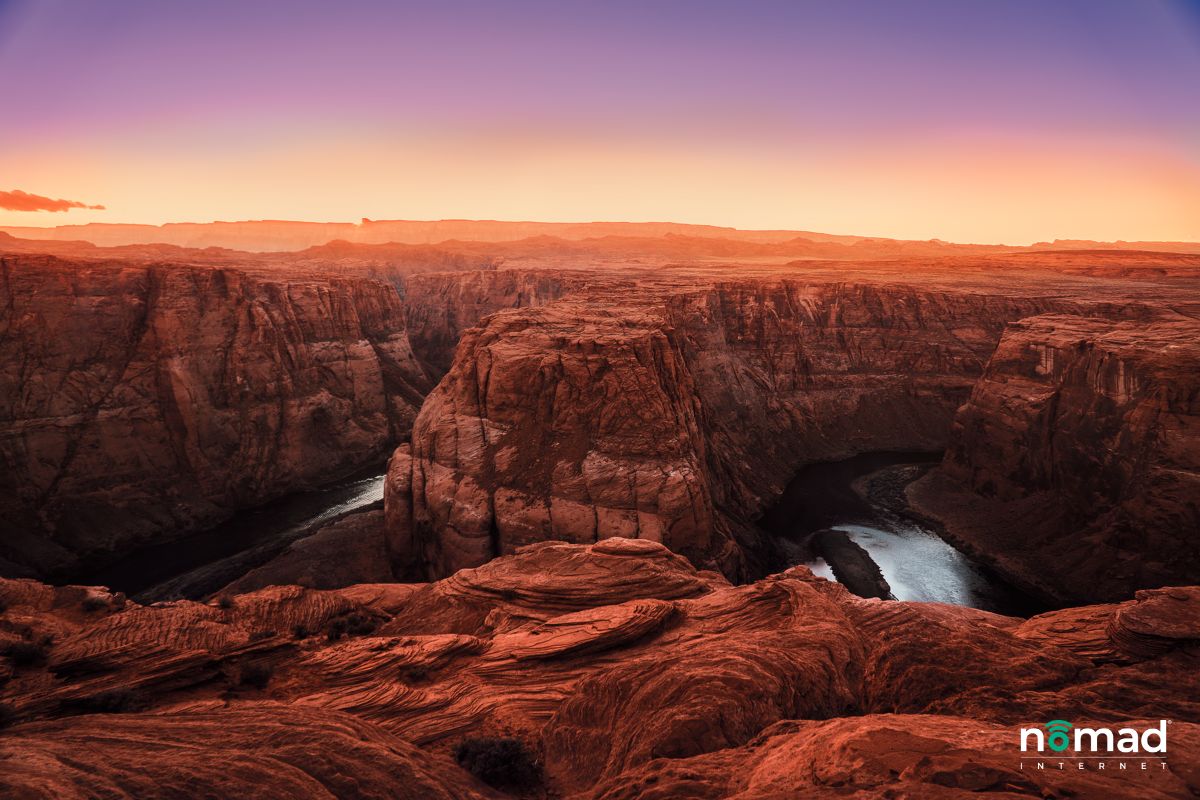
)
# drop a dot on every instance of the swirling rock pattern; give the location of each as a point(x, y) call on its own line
point(627, 671)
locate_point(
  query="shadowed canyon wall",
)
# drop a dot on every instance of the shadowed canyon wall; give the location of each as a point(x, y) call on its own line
point(672, 415)
point(137, 400)
point(1075, 464)
point(441, 306)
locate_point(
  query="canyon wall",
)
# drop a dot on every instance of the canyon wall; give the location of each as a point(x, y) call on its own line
point(141, 400)
point(654, 412)
point(441, 306)
point(1075, 465)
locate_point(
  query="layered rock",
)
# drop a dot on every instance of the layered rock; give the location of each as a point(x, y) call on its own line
point(675, 415)
point(1075, 464)
point(264, 752)
point(140, 401)
point(622, 668)
point(347, 551)
point(441, 306)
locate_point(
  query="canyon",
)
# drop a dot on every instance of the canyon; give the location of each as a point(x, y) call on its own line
point(677, 408)
point(144, 399)
point(590, 432)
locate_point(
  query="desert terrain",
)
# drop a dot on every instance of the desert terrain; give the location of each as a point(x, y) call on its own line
point(480, 509)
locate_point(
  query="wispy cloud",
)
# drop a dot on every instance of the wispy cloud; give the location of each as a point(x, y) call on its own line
point(16, 200)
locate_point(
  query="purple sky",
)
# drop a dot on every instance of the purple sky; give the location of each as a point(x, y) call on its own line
point(174, 110)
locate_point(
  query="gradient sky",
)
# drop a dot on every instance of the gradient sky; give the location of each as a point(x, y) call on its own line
point(1012, 121)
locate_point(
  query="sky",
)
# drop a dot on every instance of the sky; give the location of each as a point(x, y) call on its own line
point(970, 121)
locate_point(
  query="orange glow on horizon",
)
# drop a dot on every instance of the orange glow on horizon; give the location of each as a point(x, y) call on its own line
point(963, 189)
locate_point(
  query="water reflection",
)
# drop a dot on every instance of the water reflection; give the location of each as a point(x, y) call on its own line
point(864, 498)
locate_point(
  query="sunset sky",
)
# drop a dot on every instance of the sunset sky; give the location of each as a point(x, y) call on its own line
point(1006, 121)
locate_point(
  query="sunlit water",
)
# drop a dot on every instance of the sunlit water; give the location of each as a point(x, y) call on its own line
point(919, 566)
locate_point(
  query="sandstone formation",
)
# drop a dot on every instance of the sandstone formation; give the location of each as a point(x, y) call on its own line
point(674, 414)
point(138, 400)
point(626, 671)
point(348, 551)
point(851, 564)
point(441, 306)
point(1075, 464)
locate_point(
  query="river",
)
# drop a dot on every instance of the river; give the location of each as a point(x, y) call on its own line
point(199, 564)
point(862, 499)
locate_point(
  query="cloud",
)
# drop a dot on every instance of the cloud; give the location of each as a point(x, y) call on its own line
point(16, 200)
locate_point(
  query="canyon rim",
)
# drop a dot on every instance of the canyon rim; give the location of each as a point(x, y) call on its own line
point(477, 497)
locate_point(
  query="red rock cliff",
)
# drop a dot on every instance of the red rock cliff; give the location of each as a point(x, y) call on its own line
point(136, 400)
point(1075, 464)
point(441, 306)
point(675, 419)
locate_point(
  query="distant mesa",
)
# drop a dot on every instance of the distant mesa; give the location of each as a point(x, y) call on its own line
point(684, 240)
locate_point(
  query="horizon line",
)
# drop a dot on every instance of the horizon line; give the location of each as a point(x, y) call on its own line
point(364, 221)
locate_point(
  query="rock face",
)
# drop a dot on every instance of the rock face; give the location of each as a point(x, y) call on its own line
point(441, 306)
point(1075, 464)
point(138, 400)
point(348, 551)
point(623, 669)
point(675, 415)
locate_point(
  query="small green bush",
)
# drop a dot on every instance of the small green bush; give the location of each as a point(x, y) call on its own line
point(113, 701)
point(92, 604)
point(414, 674)
point(256, 674)
point(501, 762)
point(225, 602)
point(26, 654)
point(354, 624)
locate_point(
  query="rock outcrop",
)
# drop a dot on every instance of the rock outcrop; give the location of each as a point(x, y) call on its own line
point(138, 401)
point(345, 552)
point(1075, 464)
point(441, 306)
point(676, 415)
point(622, 668)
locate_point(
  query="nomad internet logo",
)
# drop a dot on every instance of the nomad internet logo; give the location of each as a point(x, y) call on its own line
point(1095, 748)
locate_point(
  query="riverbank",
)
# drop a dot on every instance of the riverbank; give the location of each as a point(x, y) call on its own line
point(202, 563)
point(851, 521)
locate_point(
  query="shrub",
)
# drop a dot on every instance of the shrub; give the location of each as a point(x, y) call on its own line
point(92, 603)
point(8, 715)
point(503, 763)
point(225, 602)
point(355, 624)
point(256, 674)
point(113, 701)
point(258, 636)
point(414, 674)
point(300, 632)
point(26, 654)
